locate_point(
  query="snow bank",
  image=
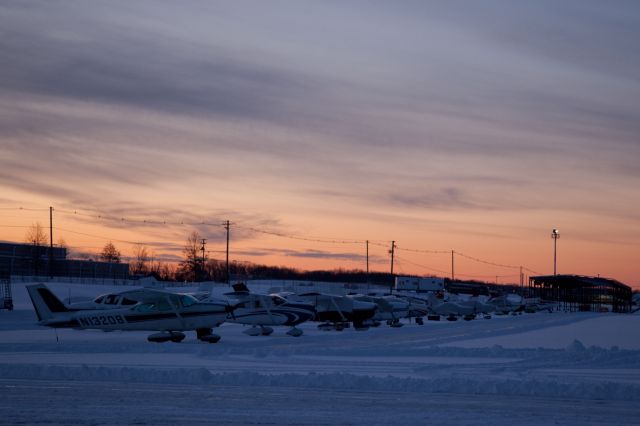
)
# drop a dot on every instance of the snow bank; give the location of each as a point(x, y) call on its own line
point(604, 330)
point(338, 381)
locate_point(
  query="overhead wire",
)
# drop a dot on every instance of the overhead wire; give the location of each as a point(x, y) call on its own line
point(302, 238)
point(380, 243)
point(25, 208)
point(140, 221)
point(500, 265)
point(423, 266)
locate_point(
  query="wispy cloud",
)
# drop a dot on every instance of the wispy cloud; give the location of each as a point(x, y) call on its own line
point(325, 112)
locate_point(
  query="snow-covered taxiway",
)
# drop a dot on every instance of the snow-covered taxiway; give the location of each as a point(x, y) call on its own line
point(558, 368)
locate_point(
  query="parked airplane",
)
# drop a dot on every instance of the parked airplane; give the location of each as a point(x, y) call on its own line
point(450, 310)
point(506, 304)
point(264, 310)
point(476, 303)
point(336, 312)
point(155, 310)
point(389, 308)
point(418, 307)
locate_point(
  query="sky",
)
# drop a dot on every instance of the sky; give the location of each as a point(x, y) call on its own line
point(476, 127)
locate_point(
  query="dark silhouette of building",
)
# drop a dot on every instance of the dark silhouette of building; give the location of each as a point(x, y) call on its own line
point(33, 260)
point(582, 293)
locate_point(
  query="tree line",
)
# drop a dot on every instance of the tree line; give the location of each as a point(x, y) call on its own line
point(196, 266)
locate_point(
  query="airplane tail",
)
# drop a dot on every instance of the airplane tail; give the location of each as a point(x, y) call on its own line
point(240, 288)
point(45, 303)
point(432, 299)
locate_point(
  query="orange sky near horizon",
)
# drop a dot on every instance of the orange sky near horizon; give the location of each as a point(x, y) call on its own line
point(85, 233)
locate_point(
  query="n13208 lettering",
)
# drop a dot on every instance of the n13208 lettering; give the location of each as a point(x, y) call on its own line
point(100, 320)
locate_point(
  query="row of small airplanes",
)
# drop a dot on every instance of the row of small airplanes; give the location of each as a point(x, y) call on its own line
point(170, 314)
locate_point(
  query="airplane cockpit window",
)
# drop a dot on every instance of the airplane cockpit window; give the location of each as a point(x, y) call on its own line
point(163, 305)
point(277, 300)
point(187, 300)
point(99, 299)
point(126, 301)
point(111, 299)
point(146, 307)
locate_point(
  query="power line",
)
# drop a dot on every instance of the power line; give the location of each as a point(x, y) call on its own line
point(25, 208)
point(424, 251)
point(226, 224)
point(100, 236)
point(140, 221)
point(422, 266)
point(301, 238)
point(500, 265)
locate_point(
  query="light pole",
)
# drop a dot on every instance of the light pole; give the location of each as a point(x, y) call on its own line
point(555, 234)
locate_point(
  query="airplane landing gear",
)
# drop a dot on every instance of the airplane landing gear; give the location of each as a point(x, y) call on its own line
point(394, 323)
point(266, 331)
point(295, 332)
point(257, 331)
point(205, 335)
point(338, 326)
point(166, 336)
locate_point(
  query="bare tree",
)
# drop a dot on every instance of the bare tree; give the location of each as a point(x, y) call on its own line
point(62, 243)
point(191, 268)
point(36, 236)
point(141, 259)
point(110, 253)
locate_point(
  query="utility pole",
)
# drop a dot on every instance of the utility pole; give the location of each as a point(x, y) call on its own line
point(555, 234)
point(367, 260)
point(452, 269)
point(392, 251)
point(204, 243)
point(50, 242)
point(227, 261)
point(521, 282)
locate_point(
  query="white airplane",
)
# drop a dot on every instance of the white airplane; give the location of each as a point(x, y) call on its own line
point(337, 312)
point(264, 310)
point(418, 307)
point(389, 308)
point(450, 310)
point(478, 304)
point(507, 304)
point(155, 310)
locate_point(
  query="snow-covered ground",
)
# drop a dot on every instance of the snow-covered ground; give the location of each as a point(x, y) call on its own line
point(559, 368)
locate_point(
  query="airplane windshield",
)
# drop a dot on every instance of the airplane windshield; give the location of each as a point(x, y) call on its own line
point(146, 307)
point(99, 299)
point(187, 300)
point(111, 299)
point(277, 300)
point(158, 305)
